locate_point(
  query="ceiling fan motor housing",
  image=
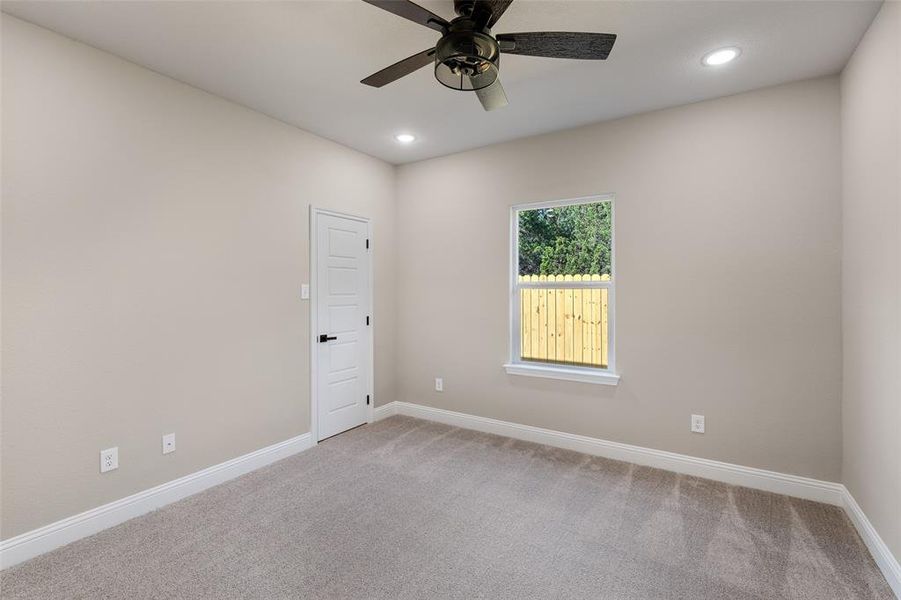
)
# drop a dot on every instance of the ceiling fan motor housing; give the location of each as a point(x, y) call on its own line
point(466, 58)
point(464, 8)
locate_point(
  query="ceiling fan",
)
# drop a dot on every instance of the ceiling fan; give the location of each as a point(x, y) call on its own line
point(467, 57)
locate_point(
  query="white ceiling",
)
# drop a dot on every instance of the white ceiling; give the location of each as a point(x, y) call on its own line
point(301, 62)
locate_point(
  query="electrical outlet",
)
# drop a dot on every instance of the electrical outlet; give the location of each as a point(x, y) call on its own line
point(697, 423)
point(109, 459)
point(439, 384)
point(168, 443)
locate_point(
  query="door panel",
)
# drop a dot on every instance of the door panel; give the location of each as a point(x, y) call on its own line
point(343, 319)
point(342, 281)
point(343, 356)
point(341, 243)
point(342, 305)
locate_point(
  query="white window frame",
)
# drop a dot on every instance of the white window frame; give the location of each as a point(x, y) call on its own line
point(517, 366)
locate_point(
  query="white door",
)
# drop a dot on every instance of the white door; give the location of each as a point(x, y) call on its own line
point(342, 317)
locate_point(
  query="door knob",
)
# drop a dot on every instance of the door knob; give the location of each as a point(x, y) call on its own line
point(324, 337)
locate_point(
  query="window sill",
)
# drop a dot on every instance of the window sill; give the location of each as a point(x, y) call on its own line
point(564, 373)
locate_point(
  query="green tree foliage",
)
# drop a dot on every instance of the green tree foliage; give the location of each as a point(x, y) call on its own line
point(565, 240)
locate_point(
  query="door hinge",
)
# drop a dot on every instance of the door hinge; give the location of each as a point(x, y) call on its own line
point(367, 319)
point(367, 399)
point(367, 243)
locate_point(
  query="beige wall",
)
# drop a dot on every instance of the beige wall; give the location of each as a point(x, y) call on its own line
point(871, 282)
point(728, 258)
point(154, 241)
point(155, 238)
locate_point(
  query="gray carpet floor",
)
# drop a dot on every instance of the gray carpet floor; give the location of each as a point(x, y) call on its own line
point(405, 508)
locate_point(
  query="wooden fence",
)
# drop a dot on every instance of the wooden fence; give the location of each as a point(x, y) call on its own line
point(564, 325)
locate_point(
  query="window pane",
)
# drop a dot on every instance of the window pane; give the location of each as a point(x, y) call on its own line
point(565, 240)
point(564, 325)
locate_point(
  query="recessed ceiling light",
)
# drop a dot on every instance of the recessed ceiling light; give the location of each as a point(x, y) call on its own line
point(405, 138)
point(720, 57)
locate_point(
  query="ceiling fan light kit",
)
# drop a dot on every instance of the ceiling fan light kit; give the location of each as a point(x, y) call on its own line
point(467, 56)
point(467, 60)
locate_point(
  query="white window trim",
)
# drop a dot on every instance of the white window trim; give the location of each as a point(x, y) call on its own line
point(517, 366)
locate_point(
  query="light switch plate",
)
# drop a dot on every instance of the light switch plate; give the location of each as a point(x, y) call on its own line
point(305, 291)
point(168, 443)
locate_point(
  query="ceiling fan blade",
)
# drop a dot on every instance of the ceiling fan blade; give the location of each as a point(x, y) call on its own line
point(493, 96)
point(558, 44)
point(489, 11)
point(413, 12)
point(400, 68)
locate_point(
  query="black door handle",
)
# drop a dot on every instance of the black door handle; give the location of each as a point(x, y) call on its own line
point(324, 337)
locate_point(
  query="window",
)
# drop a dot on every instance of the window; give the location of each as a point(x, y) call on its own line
point(562, 290)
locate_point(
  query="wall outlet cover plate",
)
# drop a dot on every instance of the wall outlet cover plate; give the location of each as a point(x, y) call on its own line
point(109, 459)
point(697, 423)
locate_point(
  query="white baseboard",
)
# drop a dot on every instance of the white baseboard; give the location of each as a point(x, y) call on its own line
point(887, 563)
point(770, 481)
point(384, 411)
point(35, 542)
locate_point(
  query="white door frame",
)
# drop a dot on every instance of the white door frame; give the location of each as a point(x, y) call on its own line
point(314, 318)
